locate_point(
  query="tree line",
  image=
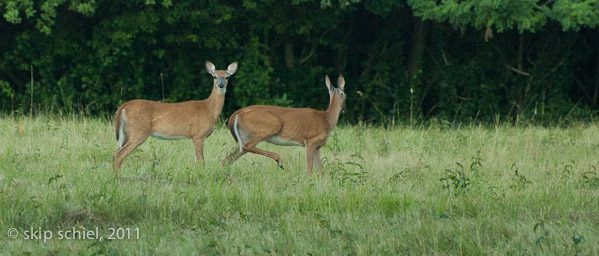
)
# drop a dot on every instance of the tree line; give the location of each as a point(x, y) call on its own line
point(404, 61)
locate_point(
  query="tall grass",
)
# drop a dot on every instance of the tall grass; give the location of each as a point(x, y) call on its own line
point(423, 191)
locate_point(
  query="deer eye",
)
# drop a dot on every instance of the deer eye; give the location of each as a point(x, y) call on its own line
point(214, 77)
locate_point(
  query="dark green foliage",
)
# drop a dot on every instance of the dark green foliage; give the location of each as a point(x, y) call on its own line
point(404, 61)
point(456, 180)
point(519, 181)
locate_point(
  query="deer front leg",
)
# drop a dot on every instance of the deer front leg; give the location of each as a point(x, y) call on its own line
point(316, 159)
point(310, 155)
point(199, 148)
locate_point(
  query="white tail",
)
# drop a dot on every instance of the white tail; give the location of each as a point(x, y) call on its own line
point(136, 120)
point(236, 131)
point(286, 126)
point(120, 136)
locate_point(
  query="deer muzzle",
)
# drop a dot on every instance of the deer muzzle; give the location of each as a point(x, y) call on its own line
point(221, 82)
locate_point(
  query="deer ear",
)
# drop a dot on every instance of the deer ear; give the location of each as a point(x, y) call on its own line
point(327, 81)
point(232, 68)
point(341, 82)
point(210, 68)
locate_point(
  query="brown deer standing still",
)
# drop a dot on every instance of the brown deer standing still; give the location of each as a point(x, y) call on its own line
point(287, 127)
point(136, 120)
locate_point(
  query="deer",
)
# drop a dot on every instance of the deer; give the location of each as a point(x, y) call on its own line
point(138, 119)
point(305, 127)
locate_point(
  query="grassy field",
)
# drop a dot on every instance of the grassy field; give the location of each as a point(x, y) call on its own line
point(421, 191)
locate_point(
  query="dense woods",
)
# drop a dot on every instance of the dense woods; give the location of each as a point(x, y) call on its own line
point(404, 61)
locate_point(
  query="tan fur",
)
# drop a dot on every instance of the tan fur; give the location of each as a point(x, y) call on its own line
point(302, 126)
point(190, 119)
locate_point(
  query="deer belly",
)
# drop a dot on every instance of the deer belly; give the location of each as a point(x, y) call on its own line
point(278, 141)
point(166, 137)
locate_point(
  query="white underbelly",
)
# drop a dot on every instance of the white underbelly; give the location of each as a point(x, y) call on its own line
point(278, 141)
point(165, 137)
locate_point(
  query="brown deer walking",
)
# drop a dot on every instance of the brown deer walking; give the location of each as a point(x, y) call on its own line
point(287, 127)
point(136, 120)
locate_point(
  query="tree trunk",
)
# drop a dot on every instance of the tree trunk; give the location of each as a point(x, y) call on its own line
point(341, 59)
point(417, 46)
point(289, 55)
point(596, 92)
point(520, 97)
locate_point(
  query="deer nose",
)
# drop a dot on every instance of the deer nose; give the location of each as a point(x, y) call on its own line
point(221, 82)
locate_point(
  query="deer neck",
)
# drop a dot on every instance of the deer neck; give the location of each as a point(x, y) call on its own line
point(332, 113)
point(215, 102)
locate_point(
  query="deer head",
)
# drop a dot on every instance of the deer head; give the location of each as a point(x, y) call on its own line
point(221, 77)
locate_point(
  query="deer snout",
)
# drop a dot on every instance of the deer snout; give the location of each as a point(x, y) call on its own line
point(221, 82)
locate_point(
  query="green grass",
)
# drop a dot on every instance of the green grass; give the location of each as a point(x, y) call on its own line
point(422, 191)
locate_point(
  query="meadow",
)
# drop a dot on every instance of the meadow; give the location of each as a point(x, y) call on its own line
point(420, 190)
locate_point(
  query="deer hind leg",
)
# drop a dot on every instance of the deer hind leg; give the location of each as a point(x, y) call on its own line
point(250, 146)
point(231, 158)
point(239, 136)
point(119, 155)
